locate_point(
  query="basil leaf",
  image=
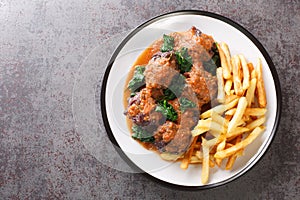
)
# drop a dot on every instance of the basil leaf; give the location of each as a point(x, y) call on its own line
point(138, 79)
point(140, 134)
point(168, 44)
point(184, 60)
point(167, 110)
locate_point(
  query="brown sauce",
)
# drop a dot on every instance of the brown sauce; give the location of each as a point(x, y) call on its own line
point(143, 59)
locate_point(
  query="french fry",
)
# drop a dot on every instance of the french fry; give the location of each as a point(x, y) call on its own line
point(250, 91)
point(195, 160)
point(246, 73)
point(256, 122)
point(220, 147)
point(228, 86)
point(219, 119)
point(230, 151)
point(249, 111)
point(237, 131)
point(205, 162)
point(230, 98)
point(224, 64)
point(186, 159)
point(231, 111)
point(233, 157)
point(251, 68)
point(255, 111)
point(221, 92)
point(242, 104)
point(199, 131)
point(226, 51)
point(219, 109)
point(262, 101)
point(236, 70)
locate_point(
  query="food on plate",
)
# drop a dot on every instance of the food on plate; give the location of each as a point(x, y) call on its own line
point(189, 100)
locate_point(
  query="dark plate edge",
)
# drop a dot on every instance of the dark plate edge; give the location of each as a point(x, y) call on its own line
point(257, 44)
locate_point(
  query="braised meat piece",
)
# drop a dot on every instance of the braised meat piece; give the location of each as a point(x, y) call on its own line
point(180, 143)
point(140, 106)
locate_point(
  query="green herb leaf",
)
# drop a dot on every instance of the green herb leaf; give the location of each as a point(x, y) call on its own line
point(184, 60)
point(138, 79)
point(168, 43)
point(185, 104)
point(140, 134)
point(167, 110)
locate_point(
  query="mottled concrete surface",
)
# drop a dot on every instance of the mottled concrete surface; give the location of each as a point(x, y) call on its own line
point(42, 45)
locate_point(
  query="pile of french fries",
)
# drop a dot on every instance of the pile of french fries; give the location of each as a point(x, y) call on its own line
point(228, 128)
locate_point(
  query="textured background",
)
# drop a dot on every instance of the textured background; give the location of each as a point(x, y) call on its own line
point(42, 45)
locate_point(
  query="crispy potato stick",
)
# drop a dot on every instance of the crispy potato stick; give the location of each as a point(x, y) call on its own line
point(240, 123)
point(241, 107)
point(186, 159)
point(230, 98)
point(195, 160)
point(219, 109)
point(199, 155)
point(237, 131)
point(219, 119)
point(221, 92)
point(211, 161)
point(205, 162)
point(250, 91)
point(220, 147)
point(226, 51)
point(246, 73)
point(224, 64)
point(249, 111)
point(255, 111)
point(231, 111)
point(228, 86)
point(207, 124)
point(232, 150)
point(251, 68)
point(262, 101)
point(232, 158)
point(237, 82)
point(199, 131)
point(210, 142)
point(256, 122)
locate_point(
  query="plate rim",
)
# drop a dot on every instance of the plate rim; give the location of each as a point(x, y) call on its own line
point(230, 22)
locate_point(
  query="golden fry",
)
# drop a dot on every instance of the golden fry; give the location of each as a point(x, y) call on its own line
point(246, 73)
point(256, 122)
point(224, 64)
point(228, 86)
point(226, 51)
point(242, 104)
point(230, 151)
point(250, 91)
point(236, 70)
point(233, 157)
point(237, 131)
point(205, 162)
point(261, 93)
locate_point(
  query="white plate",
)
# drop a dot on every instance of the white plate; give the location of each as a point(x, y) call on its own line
point(221, 29)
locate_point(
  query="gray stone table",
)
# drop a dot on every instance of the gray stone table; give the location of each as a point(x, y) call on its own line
point(43, 45)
